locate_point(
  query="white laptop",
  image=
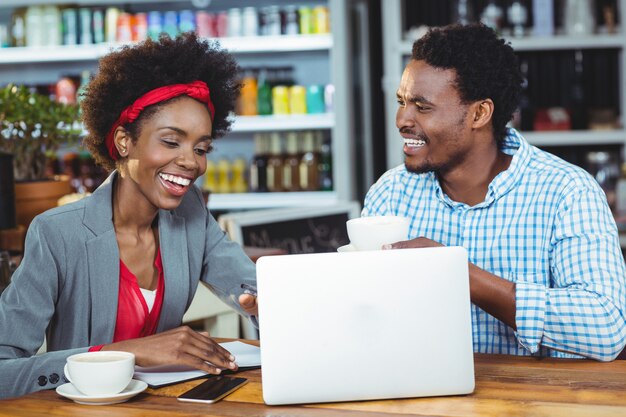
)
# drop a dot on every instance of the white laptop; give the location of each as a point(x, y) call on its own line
point(365, 325)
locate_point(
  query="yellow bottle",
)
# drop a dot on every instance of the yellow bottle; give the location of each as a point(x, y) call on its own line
point(238, 183)
point(223, 176)
point(209, 176)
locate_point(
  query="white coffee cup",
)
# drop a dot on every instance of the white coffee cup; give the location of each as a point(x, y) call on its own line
point(100, 373)
point(371, 233)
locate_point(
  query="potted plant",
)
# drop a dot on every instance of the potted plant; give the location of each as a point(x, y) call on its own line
point(33, 127)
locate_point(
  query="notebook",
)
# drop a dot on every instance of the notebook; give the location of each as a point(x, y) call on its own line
point(246, 356)
point(365, 325)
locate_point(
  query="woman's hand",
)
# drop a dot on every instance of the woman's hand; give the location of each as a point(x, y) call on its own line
point(249, 304)
point(179, 346)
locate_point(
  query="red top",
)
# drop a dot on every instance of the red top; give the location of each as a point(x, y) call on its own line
point(133, 318)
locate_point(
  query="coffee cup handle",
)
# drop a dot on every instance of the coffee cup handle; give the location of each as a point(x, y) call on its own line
point(67, 374)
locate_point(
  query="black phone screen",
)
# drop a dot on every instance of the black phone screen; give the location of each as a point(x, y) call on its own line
point(212, 389)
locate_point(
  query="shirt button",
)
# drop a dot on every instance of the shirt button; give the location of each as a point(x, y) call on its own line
point(42, 381)
point(53, 378)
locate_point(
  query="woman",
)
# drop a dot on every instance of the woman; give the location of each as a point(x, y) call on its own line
point(118, 269)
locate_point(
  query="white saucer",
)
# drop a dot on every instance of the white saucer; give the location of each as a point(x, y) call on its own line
point(69, 391)
point(346, 248)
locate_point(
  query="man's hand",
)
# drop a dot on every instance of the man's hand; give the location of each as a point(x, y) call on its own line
point(179, 346)
point(493, 294)
point(418, 242)
point(249, 304)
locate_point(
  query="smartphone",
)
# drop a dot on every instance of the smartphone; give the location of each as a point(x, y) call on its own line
point(212, 390)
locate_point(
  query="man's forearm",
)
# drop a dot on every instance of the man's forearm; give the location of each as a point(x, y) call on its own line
point(493, 294)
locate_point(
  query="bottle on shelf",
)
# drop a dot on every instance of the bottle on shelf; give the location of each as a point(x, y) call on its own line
point(291, 164)
point(578, 109)
point(85, 26)
point(209, 183)
point(308, 167)
point(223, 177)
point(34, 26)
point(264, 93)
point(462, 12)
point(524, 118)
point(325, 163)
point(221, 25)
point(124, 28)
point(321, 20)
point(258, 165)
point(290, 26)
point(5, 39)
point(238, 169)
point(543, 18)
point(275, 164)
point(110, 24)
point(139, 27)
point(297, 99)
point(248, 99)
point(187, 21)
point(98, 26)
point(69, 17)
point(518, 16)
point(272, 19)
point(52, 25)
point(235, 24)
point(155, 24)
point(305, 19)
point(18, 27)
point(280, 100)
point(579, 18)
point(205, 24)
point(170, 23)
point(492, 16)
point(249, 22)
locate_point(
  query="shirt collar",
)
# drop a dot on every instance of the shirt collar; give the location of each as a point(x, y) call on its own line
point(514, 144)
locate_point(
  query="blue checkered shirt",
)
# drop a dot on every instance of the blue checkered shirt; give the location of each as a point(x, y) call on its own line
point(544, 225)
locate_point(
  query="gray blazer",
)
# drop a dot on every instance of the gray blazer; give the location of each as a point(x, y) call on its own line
point(67, 284)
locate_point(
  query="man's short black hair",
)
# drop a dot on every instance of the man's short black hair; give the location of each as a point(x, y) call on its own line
point(125, 75)
point(485, 65)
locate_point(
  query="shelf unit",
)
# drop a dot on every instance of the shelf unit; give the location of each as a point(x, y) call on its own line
point(396, 50)
point(283, 123)
point(242, 45)
point(44, 64)
point(268, 200)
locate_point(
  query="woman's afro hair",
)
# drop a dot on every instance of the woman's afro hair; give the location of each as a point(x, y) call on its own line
point(485, 65)
point(126, 74)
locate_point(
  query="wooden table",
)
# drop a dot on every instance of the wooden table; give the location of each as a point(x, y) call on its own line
point(505, 386)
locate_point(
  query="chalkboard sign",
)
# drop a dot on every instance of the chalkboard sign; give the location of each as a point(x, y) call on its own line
point(296, 230)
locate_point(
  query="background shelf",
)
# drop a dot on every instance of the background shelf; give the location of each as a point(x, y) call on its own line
point(241, 45)
point(283, 123)
point(543, 43)
point(576, 137)
point(271, 200)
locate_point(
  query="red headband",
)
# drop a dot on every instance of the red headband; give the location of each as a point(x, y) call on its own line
point(197, 89)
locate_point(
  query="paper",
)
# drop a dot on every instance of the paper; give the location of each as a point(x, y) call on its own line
point(246, 356)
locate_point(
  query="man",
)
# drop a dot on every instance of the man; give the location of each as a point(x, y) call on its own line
point(547, 276)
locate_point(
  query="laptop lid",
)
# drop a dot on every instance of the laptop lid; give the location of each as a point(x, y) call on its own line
point(365, 325)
